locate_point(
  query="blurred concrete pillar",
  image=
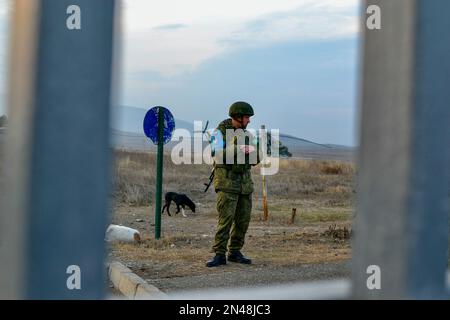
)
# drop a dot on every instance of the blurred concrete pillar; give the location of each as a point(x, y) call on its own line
point(57, 188)
point(403, 197)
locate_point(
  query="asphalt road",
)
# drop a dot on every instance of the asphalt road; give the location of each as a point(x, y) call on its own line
point(246, 276)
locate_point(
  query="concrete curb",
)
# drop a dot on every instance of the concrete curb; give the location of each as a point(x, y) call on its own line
point(131, 285)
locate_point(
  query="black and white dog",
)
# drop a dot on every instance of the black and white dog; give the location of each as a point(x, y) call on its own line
point(181, 200)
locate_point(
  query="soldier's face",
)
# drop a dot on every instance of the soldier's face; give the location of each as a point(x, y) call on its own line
point(245, 121)
point(241, 122)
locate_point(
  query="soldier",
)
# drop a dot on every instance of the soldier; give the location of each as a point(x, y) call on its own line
point(234, 186)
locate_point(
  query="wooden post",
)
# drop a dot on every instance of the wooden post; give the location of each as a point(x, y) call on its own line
point(264, 184)
point(294, 212)
point(265, 209)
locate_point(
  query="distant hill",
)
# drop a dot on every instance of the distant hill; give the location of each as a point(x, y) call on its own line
point(3, 121)
point(3, 124)
point(127, 133)
point(130, 119)
point(339, 146)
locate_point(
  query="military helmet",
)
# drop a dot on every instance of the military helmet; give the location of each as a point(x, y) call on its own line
point(240, 108)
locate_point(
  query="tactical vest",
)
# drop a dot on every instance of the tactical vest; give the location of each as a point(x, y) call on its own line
point(233, 178)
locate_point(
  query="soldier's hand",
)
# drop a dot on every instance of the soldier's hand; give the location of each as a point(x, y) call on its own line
point(247, 149)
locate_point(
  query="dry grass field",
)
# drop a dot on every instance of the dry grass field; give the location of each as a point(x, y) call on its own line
point(321, 191)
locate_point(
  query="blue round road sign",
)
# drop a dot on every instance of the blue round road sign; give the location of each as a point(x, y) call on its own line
point(151, 124)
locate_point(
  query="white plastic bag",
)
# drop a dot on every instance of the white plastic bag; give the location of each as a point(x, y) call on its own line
point(122, 233)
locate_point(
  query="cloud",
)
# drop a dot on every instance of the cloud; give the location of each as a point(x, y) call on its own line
point(307, 88)
point(173, 26)
point(284, 52)
point(148, 75)
point(199, 35)
point(304, 23)
point(5, 9)
point(142, 14)
point(171, 53)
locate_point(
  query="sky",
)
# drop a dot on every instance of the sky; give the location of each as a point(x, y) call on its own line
point(294, 61)
point(4, 16)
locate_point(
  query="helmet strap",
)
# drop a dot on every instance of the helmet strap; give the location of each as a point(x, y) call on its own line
point(239, 121)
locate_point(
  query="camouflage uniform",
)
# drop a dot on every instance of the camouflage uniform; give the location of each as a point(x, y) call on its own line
point(234, 186)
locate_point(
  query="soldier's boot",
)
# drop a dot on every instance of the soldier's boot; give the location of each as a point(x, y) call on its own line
point(218, 260)
point(238, 257)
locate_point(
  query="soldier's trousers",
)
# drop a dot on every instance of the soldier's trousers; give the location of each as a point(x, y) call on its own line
point(234, 215)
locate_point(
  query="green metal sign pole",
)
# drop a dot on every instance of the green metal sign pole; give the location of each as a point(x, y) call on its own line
point(159, 171)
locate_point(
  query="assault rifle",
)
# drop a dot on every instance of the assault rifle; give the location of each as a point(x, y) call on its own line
point(211, 177)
